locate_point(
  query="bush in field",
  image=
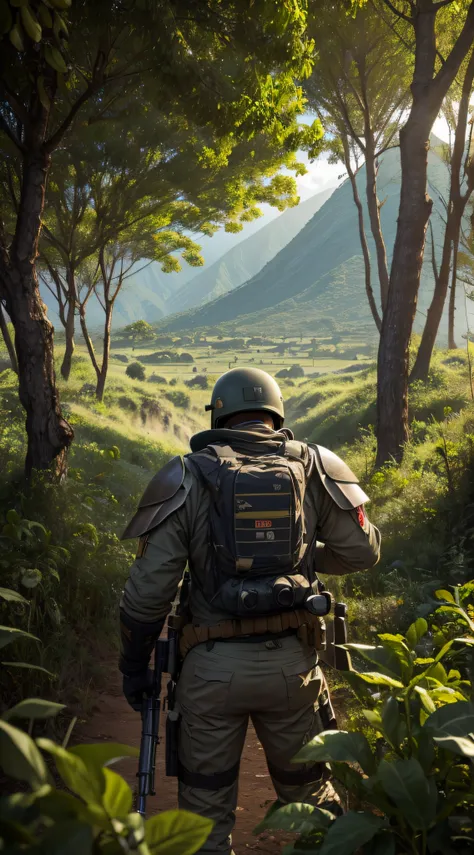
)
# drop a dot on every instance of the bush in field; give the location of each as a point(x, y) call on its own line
point(135, 371)
point(120, 357)
point(155, 378)
point(292, 372)
point(201, 381)
point(178, 398)
point(414, 794)
point(186, 357)
point(126, 403)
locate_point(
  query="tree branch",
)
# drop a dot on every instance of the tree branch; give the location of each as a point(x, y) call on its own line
point(397, 12)
point(447, 73)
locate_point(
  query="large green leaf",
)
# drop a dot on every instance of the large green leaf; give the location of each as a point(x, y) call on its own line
point(176, 832)
point(374, 678)
point(33, 708)
point(298, 817)
point(103, 753)
point(452, 720)
point(416, 631)
point(11, 633)
point(457, 744)
point(74, 772)
point(406, 784)
point(11, 596)
point(391, 720)
point(59, 805)
point(117, 798)
point(349, 832)
point(339, 746)
point(383, 657)
point(396, 643)
point(20, 758)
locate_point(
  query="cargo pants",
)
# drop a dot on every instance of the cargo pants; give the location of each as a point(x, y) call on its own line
point(276, 684)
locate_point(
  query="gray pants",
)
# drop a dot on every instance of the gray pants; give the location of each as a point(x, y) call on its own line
point(277, 686)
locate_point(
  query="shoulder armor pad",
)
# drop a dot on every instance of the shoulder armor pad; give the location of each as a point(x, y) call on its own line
point(165, 493)
point(338, 479)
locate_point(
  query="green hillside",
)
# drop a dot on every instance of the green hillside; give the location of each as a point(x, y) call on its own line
point(319, 275)
point(243, 261)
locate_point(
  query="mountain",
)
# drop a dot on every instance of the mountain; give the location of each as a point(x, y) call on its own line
point(243, 261)
point(318, 277)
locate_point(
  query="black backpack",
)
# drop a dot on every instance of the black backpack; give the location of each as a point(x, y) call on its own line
point(256, 526)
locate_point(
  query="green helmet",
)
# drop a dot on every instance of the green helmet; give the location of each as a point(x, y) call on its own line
point(243, 390)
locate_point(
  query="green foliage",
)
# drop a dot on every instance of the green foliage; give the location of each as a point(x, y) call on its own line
point(135, 370)
point(95, 814)
point(415, 791)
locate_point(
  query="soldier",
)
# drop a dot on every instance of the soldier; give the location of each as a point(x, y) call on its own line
point(254, 513)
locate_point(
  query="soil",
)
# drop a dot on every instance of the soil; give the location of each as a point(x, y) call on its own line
point(114, 721)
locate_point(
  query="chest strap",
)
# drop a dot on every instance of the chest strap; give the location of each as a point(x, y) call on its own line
point(311, 629)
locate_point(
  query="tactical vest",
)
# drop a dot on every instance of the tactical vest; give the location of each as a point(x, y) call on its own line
point(256, 529)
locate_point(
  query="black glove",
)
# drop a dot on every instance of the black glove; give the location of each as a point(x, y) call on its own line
point(137, 642)
point(136, 687)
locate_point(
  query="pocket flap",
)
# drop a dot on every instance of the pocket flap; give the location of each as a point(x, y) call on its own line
point(306, 674)
point(212, 675)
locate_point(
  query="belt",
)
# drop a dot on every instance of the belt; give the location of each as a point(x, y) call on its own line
point(266, 636)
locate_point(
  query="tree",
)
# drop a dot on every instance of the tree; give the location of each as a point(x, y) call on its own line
point(116, 191)
point(461, 187)
point(138, 331)
point(227, 66)
point(432, 79)
point(359, 89)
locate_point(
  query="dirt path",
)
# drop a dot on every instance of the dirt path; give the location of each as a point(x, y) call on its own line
point(114, 721)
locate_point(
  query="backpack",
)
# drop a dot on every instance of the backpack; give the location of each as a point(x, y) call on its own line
point(256, 528)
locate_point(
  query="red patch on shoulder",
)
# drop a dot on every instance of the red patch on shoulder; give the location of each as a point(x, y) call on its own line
point(361, 516)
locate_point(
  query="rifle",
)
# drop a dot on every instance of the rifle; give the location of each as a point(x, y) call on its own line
point(150, 725)
point(167, 660)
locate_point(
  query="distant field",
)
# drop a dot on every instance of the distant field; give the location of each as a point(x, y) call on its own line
point(207, 360)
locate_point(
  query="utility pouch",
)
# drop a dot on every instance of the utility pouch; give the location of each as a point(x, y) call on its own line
point(263, 595)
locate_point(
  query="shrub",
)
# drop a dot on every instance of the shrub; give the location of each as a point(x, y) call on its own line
point(201, 381)
point(159, 357)
point(120, 357)
point(293, 371)
point(126, 403)
point(155, 378)
point(186, 357)
point(413, 794)
point(178, 398)
point(135, 371)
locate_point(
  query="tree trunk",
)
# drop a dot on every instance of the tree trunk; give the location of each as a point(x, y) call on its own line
point(415, 210)
point(452, 297)
point(102, 376)
point(49, 435)
point(8, 341)
point(88, 341)
point(423, 358)
point(363, 239)
point(456, 207)
point(374, 216)
point(69, 326)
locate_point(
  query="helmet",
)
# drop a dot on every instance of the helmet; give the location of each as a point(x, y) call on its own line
point(243, 390)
